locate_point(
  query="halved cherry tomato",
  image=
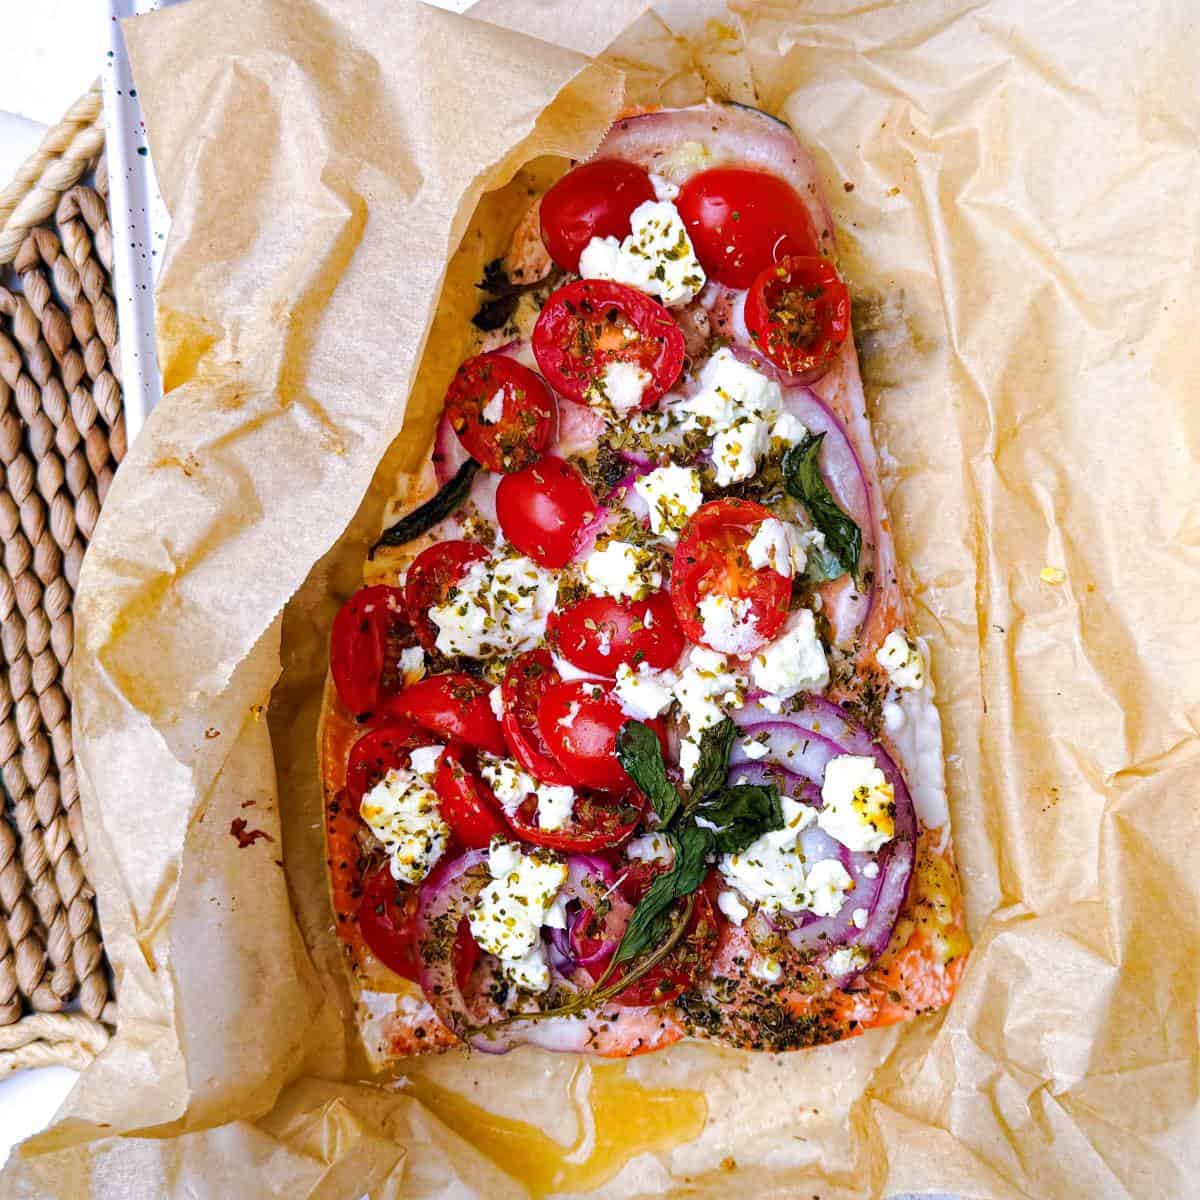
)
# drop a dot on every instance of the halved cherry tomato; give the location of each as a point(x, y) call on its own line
point(798, 312)
point(580, 720)
point(591, 323)
point(597, 823)
point(741, 220)
point(369, 632)
point(685, 963)
point(592, 200)
point(466, 802)
point(387, 920)
point(544, 510)
point(526, 680)
point(455, 706)
point(711, 560)
point(382, 749)
point(502, 412)
point(431, 576)
point(598, 634)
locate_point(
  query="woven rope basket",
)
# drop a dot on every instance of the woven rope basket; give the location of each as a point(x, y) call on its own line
point(62, 434)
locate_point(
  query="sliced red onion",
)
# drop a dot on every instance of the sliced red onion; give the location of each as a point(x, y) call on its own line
point(790, 783)
point(448, 452)
point(802, 744)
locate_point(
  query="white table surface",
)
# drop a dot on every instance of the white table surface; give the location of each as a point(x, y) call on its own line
point(50, 51)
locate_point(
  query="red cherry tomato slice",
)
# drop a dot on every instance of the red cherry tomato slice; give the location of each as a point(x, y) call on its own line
point(741, 220)
point(545, 510)
point(503, 413)
point(466, 802)
point(432, 574)
point(600, 634)
point(591, 323)
point(592, 200)
point(580, 720)
point(382, 749)
point(597, 823)
point(455, 706)
point(798, 312)
point(387, 919)
point(525, 682)
point(688, 959)
point(369, 632)
point(711, 559)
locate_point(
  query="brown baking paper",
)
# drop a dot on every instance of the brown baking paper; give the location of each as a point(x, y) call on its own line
point(1015, 188)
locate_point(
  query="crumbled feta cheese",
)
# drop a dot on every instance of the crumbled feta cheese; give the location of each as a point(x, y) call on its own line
point(498, 608)
point(770, 871)
point(902, 661)
point(493, 410)
point(503, 857)
point(893, 717)
point(730, 903)
point(644, 693)
point(650, 847)
point(707, 687)
point(737, 406)
point(788, 430)
point(672, 494)
point(566, 670)
point(794, 662)
point(828, 882)
point(622, 569)
point(424, 759)
point(754, 749)
point(730, 624)
point(402, 811)
point(859, 917)
point(657, 257)
point(845, 961)
point(496, 702)
point(618, 389)
point(779, 545)
point(871, 870)
point(664, 189)
point(511, 785)
point(509, 913)
point(859, 803)
point(412, 664)
point(766, 968)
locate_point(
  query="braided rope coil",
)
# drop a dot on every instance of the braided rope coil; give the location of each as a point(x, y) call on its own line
point(62, 434)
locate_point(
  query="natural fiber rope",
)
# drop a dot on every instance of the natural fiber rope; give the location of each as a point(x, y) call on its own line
point(67, 151)
point(62, 434)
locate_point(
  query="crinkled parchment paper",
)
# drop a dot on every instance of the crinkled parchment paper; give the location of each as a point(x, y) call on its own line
point(1016, 191)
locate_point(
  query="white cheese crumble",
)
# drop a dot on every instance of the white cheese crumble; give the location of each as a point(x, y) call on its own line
point(618, 389)
point(859, 803)
point(412, 664)
point(657, 257)
point(644, 693)
point(870, 870)
point(794, 662)
point(650, 847)
point(496, 702)
point(828, 882)
point(664, 189)
point(622, 570)
point(510, 785)
point(730, 903)
point(788, 430)
point(770, 871)
point(893, 717)
point(859, 917)
point(766, 968)
point(779, 545)
point(736, 406)
point(493, 410)
point(402, 811)
point(707, 686)
point(754, 749)
point(730, 624)
point(498, 608)
point(672, 494)
point(509, 913)
point(902, 661)
point(845, 961)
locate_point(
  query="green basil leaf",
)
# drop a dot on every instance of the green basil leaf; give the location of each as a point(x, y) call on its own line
point(741, 814)
point(802, 478)
point(650, 921)
point(640, 754)
point(713, 769)
point(438, 508)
